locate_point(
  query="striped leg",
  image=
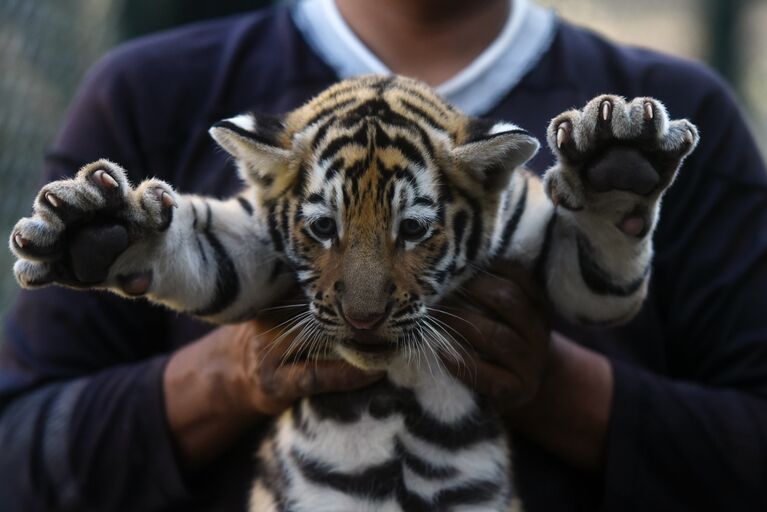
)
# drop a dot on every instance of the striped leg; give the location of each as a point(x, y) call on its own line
point(616, 159)
point(586, 229)
point(209, 258)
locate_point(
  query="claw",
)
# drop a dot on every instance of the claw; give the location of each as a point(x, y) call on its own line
point(52, 199)
point(167, 200)
point(689, 137)
point(105, 179)
point(648, 111)
point(563, 134)
point(20, 240)
point(606, 110)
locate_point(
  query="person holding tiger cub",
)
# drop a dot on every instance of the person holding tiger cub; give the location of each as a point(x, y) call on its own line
point(127, 406)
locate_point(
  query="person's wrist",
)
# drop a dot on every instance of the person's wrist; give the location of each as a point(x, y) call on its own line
point(215, 367)
point(575, 392)
point(208, 399)
point(230, 369)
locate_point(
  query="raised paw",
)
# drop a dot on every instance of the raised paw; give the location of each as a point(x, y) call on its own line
point(616, 155)
point(80, 226)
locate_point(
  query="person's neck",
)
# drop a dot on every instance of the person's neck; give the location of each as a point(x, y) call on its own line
point(431, 40)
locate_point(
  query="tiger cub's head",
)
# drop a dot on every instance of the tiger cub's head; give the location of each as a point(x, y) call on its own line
point(382, 197)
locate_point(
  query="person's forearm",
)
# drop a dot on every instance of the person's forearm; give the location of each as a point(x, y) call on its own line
point(571, 409)
point(205, 396)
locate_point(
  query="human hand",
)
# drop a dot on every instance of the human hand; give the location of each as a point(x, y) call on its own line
point(500, 318)
point(219, 386)
point(275, 377)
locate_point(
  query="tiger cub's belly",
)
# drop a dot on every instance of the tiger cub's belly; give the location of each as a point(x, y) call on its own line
point(409, 443)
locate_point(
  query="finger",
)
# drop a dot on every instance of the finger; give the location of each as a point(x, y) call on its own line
point(493, 340)
point(485, 328)
point(504, 285)
point(517, 274)
point(504, 388)
point(314, 377)
point(290, 304)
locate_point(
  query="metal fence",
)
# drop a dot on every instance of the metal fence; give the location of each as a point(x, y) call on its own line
point(46, 46)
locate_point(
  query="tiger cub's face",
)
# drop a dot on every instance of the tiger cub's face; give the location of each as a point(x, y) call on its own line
point(383, 198)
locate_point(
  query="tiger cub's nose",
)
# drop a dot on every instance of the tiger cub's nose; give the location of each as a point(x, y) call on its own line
point(364, 321)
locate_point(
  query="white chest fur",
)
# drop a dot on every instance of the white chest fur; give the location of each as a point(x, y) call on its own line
point(417, 441)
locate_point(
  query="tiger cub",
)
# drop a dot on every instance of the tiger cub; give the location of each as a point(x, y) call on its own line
point(381, 198)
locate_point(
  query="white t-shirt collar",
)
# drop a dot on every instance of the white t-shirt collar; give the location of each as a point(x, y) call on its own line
point(524, 38)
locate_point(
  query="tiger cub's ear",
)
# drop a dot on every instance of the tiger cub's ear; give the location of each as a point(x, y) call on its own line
point(254, 140)
point(493, 149)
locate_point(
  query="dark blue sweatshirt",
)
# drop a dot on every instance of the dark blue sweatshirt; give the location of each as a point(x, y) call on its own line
point(82, 424)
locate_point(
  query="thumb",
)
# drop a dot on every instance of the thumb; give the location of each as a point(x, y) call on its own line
point(315, 377)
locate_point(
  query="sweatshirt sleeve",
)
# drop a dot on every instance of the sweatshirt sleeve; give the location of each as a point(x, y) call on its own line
point(696, 437)
point(82, 419)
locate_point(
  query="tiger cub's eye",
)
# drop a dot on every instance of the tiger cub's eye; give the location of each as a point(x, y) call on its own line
point(411, 229)
point(323, 228)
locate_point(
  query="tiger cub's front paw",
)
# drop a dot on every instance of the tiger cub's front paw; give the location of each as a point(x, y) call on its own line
point(80, 226)
point(616, 158)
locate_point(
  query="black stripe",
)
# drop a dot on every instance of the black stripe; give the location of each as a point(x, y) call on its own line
point(245, 205)
point(376, 482)
point(319, 135)
point(315, 198)
point(459, 225)
point(423, 467)
point(385, 399)
point(473, 492)
point(425, 116)
point(227, 282)
point(599, 280)
point(274, 476)
point(334, 168)
point(285, 222)
point(511, 226)
point(442, 107)
point(274, 232)
point(329, 110)
point(475, 237)
point(358, 138)
point(266, 138)
point(408, 149)
point(539, 268)
point(201, 249)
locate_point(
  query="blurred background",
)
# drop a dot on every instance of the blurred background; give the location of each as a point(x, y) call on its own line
point(47, 45)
